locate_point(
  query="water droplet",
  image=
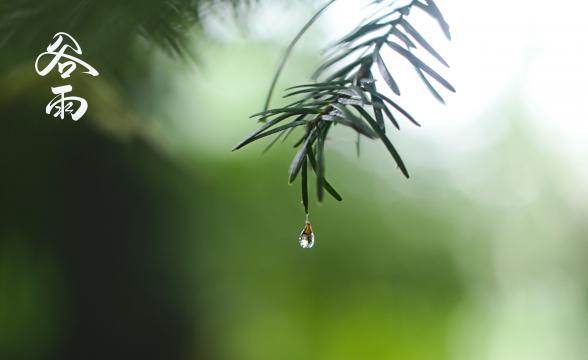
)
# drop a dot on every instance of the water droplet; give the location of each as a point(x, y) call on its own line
point(306, 239)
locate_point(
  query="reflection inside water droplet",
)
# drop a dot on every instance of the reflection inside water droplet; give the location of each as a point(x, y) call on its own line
point(306, 239)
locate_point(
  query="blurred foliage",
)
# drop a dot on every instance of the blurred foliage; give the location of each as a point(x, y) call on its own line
point(105, 27)
point(121, 39)
point(109, 250)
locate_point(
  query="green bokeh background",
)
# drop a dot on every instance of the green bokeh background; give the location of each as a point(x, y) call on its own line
point(136, 234)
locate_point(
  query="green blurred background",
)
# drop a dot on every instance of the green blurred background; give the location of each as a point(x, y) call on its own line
point(135, 233)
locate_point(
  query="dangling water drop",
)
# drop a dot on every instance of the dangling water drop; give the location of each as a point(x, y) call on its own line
point(306, 238)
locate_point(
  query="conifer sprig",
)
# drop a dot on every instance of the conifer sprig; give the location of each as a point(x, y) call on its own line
point(344, 91)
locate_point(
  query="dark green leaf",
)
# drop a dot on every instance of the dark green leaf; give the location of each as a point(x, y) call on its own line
point(390, 116)
point(361, 31)
point(359, 92)
point(292, 110)
point(320, 85)
point(262, 128)
point(286, 132)
point(386, 74)
point(405, 39)
point(315, 92)
point(330, 189)
point(434, 12)
point(300, 155)
point(429, 86)
point(397, 107)
point(437, 14)
point(304, 185)
point(269, 132)
point(320, 170)
point(344, 54)
point(389, 146)
point(364, 113)
point(354, 121)
point(379, 115)
point(415, 34)
point(343, 71)
point(418, 63)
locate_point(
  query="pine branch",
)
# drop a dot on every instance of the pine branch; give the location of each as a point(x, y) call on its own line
point(345, 93)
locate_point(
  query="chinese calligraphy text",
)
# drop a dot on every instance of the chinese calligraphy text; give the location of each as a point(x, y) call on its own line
point(59, 53)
